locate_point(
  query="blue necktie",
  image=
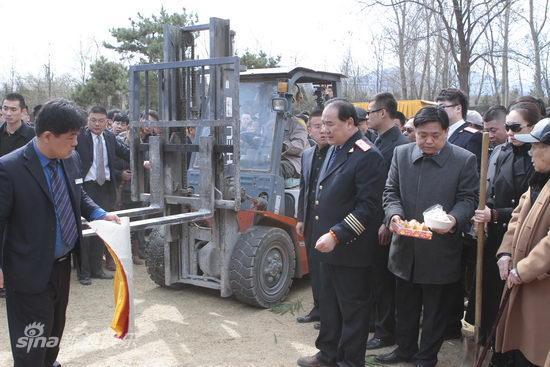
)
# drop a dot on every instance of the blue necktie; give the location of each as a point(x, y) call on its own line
point(63, 208)
point(333, 155)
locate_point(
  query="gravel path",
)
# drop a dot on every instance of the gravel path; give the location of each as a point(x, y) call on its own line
point(189, 327)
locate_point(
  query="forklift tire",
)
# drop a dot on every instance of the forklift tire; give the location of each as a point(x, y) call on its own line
point(154, 259)
point(262, 266)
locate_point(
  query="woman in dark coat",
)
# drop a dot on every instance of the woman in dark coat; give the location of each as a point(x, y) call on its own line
point(513, 169)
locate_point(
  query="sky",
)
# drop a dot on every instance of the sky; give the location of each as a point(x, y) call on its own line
point(314, 34)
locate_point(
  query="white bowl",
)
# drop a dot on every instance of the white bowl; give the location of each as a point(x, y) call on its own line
point(438, 223)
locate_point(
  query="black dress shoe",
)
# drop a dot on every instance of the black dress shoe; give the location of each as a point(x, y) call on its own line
point(391, 358)
point(317, 326)
point(85, 281)
point(102, 275)
point(307, 318)
point(377, 343)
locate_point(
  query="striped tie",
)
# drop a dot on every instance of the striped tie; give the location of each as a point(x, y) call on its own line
point(63, 207)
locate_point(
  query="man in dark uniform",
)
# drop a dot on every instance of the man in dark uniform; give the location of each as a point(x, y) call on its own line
point(14, 133)
point(312, 161)
point(347, 211)
point(363, 124)
point(460, 133)
point(381, 118)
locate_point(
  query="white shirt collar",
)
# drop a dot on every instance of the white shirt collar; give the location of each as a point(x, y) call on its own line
point(454, 127)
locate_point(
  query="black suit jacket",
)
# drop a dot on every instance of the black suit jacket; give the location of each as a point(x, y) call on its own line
point(388, 141)
point(349, 202)
point(115, 150)
point(27, 214)
point(468, 138)
point(305, 176)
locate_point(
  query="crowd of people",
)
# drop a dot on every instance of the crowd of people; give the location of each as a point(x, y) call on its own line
point(368, 171)
point(364, 174)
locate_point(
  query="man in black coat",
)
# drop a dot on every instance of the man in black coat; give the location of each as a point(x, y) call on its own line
point(424, 174)
point(14, 133)
point(312, 161)
point(455, 104)
point(98, 149)
point(42, 180)
point(381, 118)
point(347, 209)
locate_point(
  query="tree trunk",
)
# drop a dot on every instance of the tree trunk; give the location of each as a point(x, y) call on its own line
point(505, 87)
point(536, 48)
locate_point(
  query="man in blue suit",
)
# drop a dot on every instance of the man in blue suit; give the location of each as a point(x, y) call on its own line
point(42, 179)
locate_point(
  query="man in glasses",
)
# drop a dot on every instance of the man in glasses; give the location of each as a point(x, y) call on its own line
point(383, 111)
point(455, 104)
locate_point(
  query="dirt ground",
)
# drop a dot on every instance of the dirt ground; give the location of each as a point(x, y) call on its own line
point(189, 327)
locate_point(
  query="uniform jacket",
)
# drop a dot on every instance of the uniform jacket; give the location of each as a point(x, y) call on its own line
point(115, 150)
point(348, 201)
point(305, 176)
point(389, 140)
point(525, 323)
point(25, 133)
point(416, 183)
point(468, 138)
point(294, 141)
point(27, 214)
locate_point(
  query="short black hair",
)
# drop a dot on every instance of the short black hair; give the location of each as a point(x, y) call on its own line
point(345, 109)
point(121, 117)
point(402, 119)
point(537, 101)
point(112, 112)
point(36, 109)
point(431, 114)
point(317, 112)
point(454, 95)
point(16, 97)
point(495, 113)
point(386, 101)
point(59, 116)
point(98, 109)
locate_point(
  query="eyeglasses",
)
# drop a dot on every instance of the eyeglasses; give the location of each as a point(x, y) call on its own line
point(373, 111)
point(443, 106)
point(409, 130)
point(516, 127)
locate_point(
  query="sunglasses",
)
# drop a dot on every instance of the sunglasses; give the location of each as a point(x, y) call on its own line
point(373, 111)
point(409, 130)
point(516, 127)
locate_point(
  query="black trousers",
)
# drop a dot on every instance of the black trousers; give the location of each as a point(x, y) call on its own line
point(36, 321)
point(314, 270)
point(92, 249)
point(383, 296)
point(344, 305)
point(410, 298)
point(464, 287)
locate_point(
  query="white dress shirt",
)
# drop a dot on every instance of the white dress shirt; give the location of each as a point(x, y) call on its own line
point(91, 175)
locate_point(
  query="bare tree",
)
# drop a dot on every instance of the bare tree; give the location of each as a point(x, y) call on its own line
point(536, 27)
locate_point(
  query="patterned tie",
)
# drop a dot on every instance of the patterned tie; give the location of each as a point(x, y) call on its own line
point(63, 207)
point(100, 164)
